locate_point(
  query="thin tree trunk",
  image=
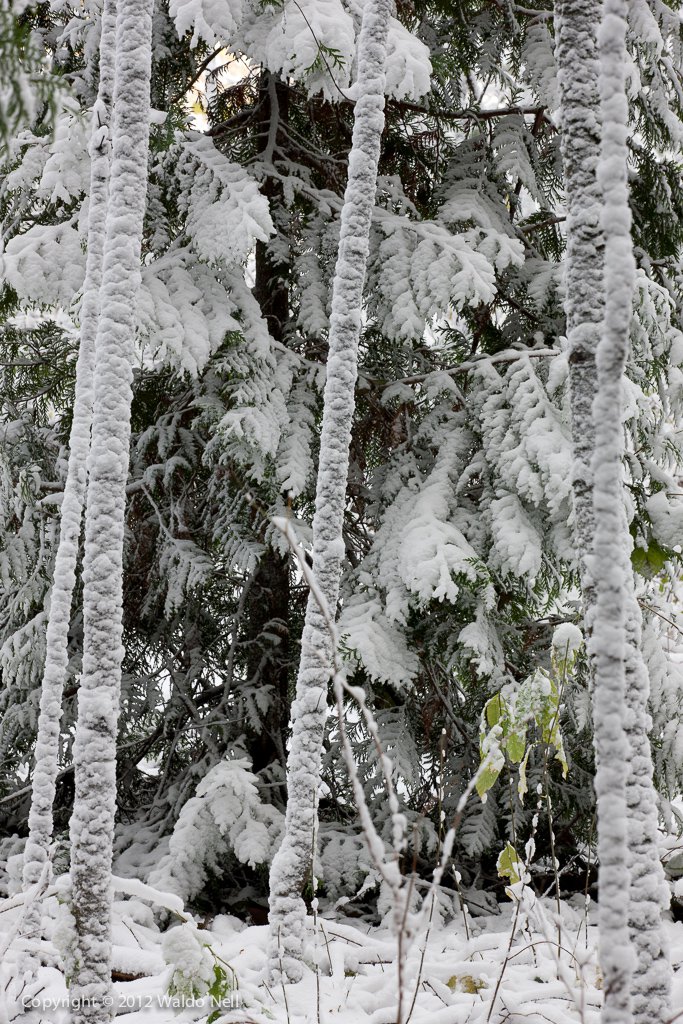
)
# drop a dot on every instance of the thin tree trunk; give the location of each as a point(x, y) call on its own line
point(268, 601)
point(581, 138)
point(578, 70)
point(648, 892)
point(92, 824)
point(607, 619)
point(292, 863)
point(40, 819)
point(267, 612)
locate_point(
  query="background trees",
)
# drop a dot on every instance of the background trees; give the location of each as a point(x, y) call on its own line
point(460, 559)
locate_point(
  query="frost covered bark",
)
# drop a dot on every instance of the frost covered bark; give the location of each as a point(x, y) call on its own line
point(95, 744)
point(648, 894)
point(608, 642)
point(577, 66)
point(585, 306)
point(40, 820)
point(292, 863)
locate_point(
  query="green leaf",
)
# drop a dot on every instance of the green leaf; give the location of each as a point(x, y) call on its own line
point(649, 561)
point(550, 726)
point(509, 864)
point(486, 778)
point(522, 787)
point(494, 710)
point(466, 983)
point(515, 746)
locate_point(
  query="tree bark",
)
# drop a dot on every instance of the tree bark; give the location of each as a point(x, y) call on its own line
point(269, 591)
point(268, 660)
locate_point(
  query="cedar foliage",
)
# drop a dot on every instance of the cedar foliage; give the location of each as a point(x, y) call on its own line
point(459, 561)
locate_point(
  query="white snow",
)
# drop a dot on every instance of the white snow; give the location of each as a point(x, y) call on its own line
point(460, 972)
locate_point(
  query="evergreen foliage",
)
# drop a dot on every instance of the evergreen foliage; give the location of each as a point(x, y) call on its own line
point(459, 556)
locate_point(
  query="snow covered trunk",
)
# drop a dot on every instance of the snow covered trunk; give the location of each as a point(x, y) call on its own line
point(293, 861)
point(92, 823)
point(578, 69)
point(613, 582)
point(648, 896)
point(40, 820)
point(608, 641)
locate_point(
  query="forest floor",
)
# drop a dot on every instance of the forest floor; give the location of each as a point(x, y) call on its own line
point(525, 965)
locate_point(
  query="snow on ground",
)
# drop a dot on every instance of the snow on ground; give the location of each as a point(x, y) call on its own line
point(456, 972)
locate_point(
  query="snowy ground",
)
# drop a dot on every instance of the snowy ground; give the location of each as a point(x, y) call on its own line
point(544, 971)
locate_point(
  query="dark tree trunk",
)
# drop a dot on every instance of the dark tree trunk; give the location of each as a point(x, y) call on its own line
point(268, 656)
point(268, 603)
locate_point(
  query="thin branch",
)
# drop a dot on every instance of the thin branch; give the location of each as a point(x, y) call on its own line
point(508, 356)
point(197, 75)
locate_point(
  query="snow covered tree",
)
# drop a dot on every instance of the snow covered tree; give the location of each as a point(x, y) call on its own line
point(92, 823)
point(590, 277)
point(29, 90)
point(293, 862)
point(459, 560)
point(40, 820)
point(608, 636)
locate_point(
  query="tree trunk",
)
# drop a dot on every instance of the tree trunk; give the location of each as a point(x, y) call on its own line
point(578, 70)
point(648, 892)
point(269, 592)
point(92, 824)
point(607, 618)
point(40, 819)
point(268, 660)
point(585, 305)
point(292, 863)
